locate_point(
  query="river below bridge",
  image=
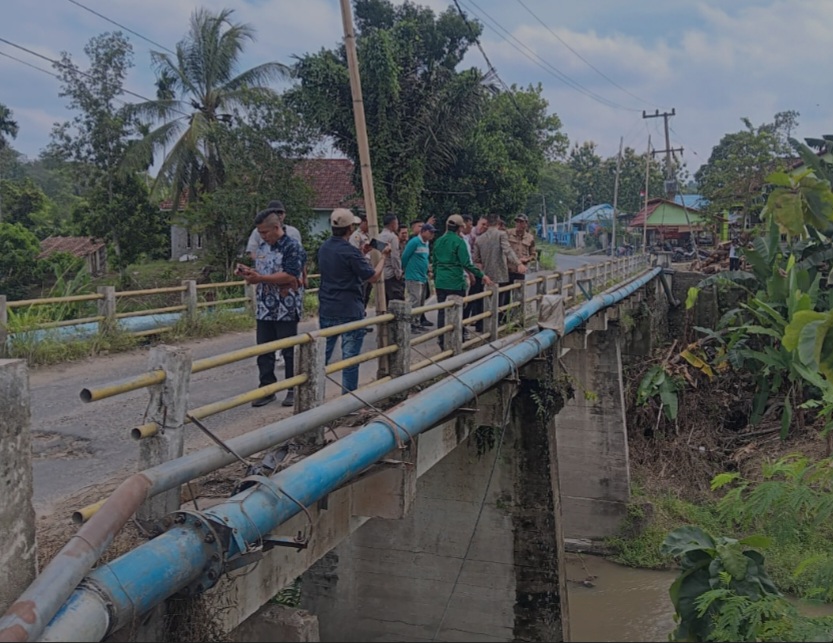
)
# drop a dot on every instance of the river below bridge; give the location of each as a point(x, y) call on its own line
point(626, 604)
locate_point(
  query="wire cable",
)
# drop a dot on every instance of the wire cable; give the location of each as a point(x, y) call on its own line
point(121, 26)
point(23, 62)
point(583, 59)
point(83, 73)
point(544, 64)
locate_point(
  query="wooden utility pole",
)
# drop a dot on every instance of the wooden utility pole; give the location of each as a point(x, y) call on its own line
point(670, 183)
point(647, 175)
point(616, 195)
point(364, 160)
point(361, 139)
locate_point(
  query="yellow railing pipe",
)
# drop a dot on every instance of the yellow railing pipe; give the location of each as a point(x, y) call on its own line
point(346, 328)
point(207, 363)
point(431, 360)
point(360, 359)
point(141, 381)
point(52, 300)
point(149, 291)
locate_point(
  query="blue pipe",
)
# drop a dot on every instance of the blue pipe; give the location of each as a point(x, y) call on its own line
point(127, 324)
point(143, 577)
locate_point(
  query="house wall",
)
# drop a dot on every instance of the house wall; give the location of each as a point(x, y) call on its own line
point(184, 242)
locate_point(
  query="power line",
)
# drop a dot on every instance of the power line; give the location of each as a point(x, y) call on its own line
point(23, 62)
point(587, 62)
point(83, 73)
point(121, 26)
point(546, 65)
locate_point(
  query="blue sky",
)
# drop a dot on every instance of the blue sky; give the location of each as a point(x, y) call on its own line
point(715, 61)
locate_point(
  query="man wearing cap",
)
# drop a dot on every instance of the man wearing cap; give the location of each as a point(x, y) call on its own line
point(450, 261)
point(394, 282)
point(344, 272)
point(523, 243)
point(278, 272)
point(415, 262)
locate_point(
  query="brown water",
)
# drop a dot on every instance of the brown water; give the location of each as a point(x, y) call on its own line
point(626, 604)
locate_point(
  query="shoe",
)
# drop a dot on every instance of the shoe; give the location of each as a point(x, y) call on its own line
point(263, 401)
point(425, 323)
point(369, 329)
point(289, 400)
point(417, 329)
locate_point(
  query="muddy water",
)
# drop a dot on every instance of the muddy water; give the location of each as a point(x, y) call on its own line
point(626, 604)
point(623, 604)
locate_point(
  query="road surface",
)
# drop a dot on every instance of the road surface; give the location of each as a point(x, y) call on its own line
point(77, 445)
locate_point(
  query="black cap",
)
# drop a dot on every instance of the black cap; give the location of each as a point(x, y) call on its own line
point(276, 206)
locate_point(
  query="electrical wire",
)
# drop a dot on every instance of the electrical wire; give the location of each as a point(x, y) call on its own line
point(583, 59)
point(542, 63)
point(83, 73)
point(121, 26)
point(23, 62)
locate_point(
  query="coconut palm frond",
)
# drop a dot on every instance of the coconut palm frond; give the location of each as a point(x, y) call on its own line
point(259, 75)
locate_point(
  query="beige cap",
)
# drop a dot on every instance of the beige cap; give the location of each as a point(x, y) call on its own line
point(342, 217)
point(455, 220)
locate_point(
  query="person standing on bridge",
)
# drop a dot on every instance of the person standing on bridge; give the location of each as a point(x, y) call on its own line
point(344, 273)
point(415, 262)
point(523, 243)
point(278, 273)
point(493, 254)
point(450, 261)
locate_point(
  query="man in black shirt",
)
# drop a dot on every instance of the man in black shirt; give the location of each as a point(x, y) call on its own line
point(344, 272)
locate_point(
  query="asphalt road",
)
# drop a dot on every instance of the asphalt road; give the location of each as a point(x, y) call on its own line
point(77, 445)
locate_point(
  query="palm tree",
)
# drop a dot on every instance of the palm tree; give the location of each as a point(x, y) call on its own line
point(8, 127)
point(195, 91)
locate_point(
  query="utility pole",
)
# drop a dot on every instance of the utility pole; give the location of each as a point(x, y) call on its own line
point(544, 216)
point(647, 175)
point(616, 195)
point(670, 183)
point(364, 160)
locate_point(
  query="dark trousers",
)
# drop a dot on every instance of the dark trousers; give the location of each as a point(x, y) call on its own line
point(269, 331)
point(475, 307)
point(504, 299)
point(394, 289)
point(367, 289)
point(734, 263)
point(442, 295)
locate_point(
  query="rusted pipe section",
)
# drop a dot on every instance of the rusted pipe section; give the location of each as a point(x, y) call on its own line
point(27, 617)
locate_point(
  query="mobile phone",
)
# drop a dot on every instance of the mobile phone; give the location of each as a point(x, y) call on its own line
point(378, 245)
point(240, 269)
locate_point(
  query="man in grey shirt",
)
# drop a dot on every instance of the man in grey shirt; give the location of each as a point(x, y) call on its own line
point(393, 274)
point(291, 231)
point(493, 254)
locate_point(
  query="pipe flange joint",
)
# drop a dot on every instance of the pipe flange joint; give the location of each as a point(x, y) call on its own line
point(212, 546)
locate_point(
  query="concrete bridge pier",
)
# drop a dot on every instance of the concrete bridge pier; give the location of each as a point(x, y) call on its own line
point(480, 556)
point(592, 434)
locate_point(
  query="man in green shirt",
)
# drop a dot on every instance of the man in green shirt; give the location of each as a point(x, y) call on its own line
point(450, 261)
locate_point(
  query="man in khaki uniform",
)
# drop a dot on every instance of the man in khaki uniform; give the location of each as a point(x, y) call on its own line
point(523, 243)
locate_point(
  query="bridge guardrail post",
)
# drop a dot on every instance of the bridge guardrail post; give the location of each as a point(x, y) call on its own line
point(107, 308)
point(541, 292)
point(167, 407)
point(310, 359)
point(454, 316)
point(17, 515)
point(4, 326)
point(189, 299)
point(519, 297)
point(399, 362)
point(250, 291)
point(493, 321)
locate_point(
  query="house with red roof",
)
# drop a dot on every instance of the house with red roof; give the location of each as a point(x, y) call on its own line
point(331, 183)
point(91, 250)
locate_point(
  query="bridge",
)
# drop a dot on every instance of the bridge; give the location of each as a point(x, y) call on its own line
point(444, 517)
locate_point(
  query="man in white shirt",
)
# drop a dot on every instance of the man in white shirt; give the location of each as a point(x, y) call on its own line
point(291, 231)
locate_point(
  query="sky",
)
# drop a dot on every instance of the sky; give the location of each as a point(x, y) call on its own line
point(600, 62)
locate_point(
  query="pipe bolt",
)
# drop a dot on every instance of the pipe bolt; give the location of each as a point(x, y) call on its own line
point(179, 519)
point(209, 538)
point(212, 575)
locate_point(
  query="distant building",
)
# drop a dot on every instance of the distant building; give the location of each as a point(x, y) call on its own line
point(331, 182)
point(667, 220)
point(92, 251)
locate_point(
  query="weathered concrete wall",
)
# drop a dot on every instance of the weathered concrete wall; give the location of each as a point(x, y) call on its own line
point(644, 323)
point(592, 440)
point(17, 517)
point(477, 559)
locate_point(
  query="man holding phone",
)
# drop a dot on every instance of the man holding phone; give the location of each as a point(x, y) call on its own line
point(278, 272)
point(394, 276)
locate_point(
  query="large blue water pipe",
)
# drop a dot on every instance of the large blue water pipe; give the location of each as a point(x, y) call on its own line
point(191, 556)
